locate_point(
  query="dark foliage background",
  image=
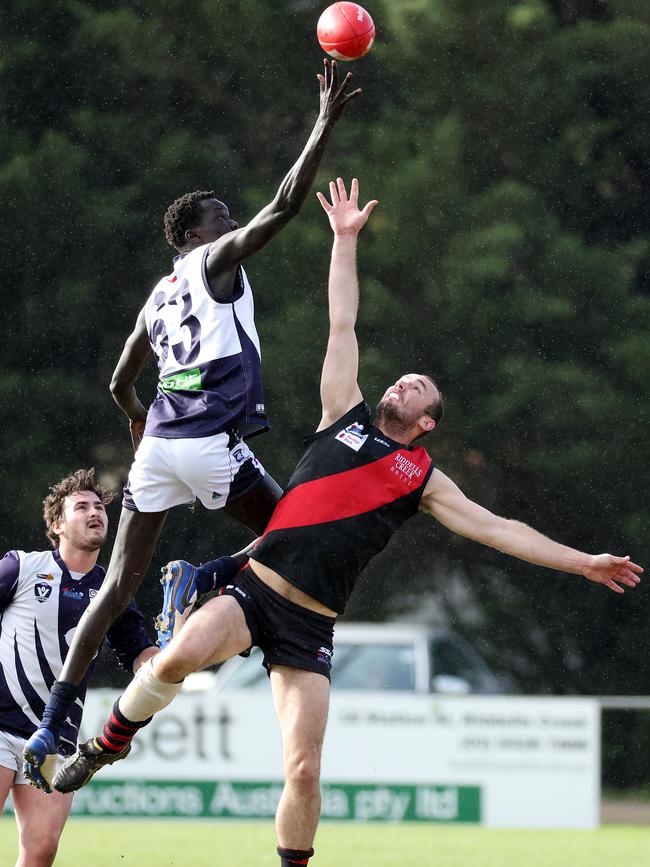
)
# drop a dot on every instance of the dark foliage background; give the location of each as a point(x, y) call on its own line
point(507, 144)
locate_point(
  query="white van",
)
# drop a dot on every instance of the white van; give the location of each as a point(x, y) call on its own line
point(377, 656)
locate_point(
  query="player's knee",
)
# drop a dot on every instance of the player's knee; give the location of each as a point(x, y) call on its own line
point(171, 666)
point(302, 768)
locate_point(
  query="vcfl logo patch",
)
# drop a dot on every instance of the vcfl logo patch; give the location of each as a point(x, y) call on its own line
point(42, 591)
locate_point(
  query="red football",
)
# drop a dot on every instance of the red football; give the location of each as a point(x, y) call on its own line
point(345, 31)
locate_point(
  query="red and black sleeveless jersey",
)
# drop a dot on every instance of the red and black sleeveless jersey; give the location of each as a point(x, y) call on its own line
point(353, 488)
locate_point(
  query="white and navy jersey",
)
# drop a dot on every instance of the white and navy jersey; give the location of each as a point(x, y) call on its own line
point(208, 355)
point(41, 603)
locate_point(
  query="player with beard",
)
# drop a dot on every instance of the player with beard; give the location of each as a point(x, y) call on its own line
point(42, 597)
point(358, 481)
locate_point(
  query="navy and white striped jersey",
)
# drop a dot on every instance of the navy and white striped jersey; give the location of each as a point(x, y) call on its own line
point(208, 354)
point(41, 603)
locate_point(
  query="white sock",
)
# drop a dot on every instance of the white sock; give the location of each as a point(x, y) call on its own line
point(146, 694)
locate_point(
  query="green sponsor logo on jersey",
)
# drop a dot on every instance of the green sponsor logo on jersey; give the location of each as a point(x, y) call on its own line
point(186, 380)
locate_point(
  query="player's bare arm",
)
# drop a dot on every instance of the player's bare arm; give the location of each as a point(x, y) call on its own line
point(137, 350)
point(444, 500)
point(339, 387)
point(233, 247)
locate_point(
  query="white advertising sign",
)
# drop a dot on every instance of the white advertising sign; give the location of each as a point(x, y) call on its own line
point(388, 756)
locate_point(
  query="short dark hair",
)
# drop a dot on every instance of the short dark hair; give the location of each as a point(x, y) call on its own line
point(184, 214)
point(80, 480)
point(436, 409)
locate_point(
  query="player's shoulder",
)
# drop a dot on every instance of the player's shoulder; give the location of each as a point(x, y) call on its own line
point(354, 421)
point(28, 556)
point(13, 554)
point(21, 565)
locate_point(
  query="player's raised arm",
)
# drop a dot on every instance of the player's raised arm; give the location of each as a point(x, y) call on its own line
point(446, 502)
point(339, 388)
point(235, 246)
point(137, 350)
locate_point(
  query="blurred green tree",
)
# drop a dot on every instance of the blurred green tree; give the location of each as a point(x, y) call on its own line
point(510, 256)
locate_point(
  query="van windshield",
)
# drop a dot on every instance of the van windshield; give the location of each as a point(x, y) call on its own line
point(373, 666)
point(354, 666)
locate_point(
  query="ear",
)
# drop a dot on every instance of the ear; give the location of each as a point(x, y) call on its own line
point(427, 424)
point(191, 235)
point(57, 527)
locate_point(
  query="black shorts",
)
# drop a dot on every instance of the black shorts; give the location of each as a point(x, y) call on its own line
point(287, 634)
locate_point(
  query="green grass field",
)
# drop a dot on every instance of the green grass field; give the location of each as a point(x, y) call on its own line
point(162, 843)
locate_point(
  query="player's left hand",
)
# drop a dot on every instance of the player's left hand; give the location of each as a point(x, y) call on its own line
point(40, 759)
point(333, 97)
point(613, 572)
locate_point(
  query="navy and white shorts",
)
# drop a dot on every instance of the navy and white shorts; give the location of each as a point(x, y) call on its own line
point(287, 634)
point(174, 472)
point(11, 756)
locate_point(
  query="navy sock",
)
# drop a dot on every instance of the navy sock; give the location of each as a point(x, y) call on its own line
point(216, 573)
point(294, 857)
point(62, 697)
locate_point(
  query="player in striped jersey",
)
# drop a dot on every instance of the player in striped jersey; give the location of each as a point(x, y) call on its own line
point(42, 596)
point(358, 481)
point(190, 444)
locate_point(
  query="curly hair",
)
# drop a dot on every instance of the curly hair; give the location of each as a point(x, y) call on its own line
point(184, 214)
point(81, 480)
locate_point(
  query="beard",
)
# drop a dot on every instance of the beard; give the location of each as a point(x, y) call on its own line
point(88, 540)
point(390, 414)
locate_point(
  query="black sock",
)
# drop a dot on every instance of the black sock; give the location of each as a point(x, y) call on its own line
point(119, 731)
point(294, 857)
point(215, 573)
point(57, 710)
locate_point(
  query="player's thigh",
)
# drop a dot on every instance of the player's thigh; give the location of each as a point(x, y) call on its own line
point(301, 701)
point(154, 484)
point(6, 782)
point(214, 633)
point(254, 508)
point(40, 817)
point(206, 467)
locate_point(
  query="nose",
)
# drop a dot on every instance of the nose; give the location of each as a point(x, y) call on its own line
point(234, 224)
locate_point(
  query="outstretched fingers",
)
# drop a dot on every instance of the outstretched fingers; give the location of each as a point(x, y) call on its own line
point(342, 192)
point(630, 579)
point(331, 74)
point(628, 572)
point(616, 573)
point(330, 82)
point(344, 214)
point(325, 204)
point(369, 208)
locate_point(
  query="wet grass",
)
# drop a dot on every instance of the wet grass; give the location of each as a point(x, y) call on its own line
point(163, 843)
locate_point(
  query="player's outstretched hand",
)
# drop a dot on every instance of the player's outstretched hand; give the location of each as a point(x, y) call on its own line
point(613, 572)
point(333, 97)
point(344, 214)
